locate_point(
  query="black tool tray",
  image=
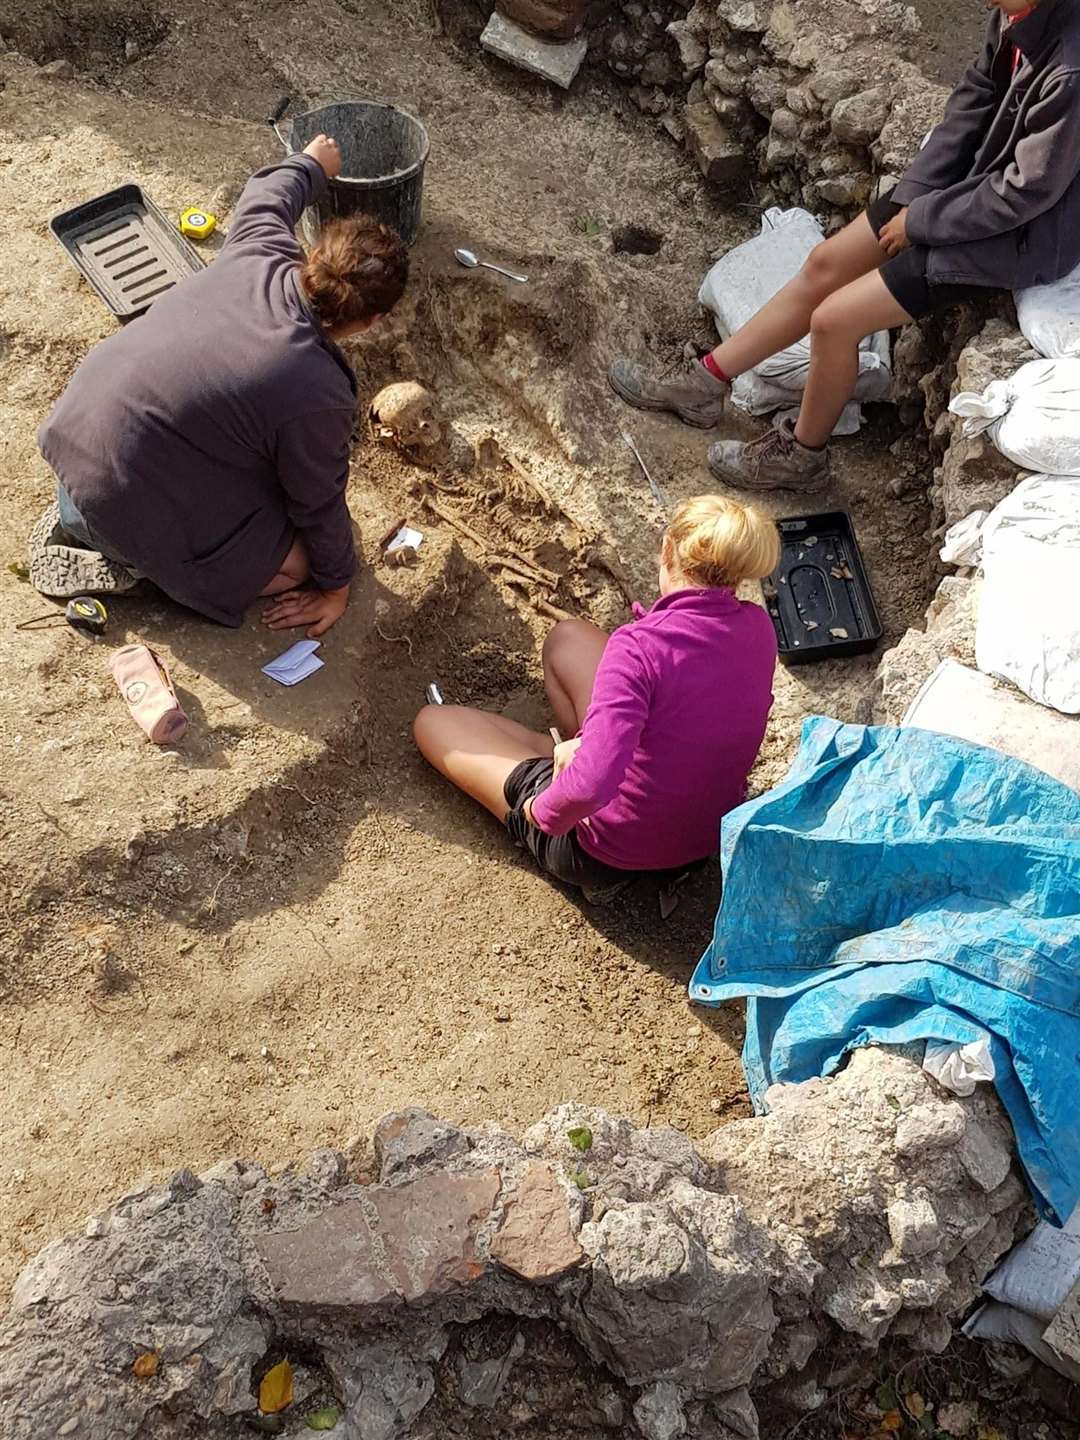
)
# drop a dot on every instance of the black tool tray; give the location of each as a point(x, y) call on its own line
point(818, 597)
point(126, 249)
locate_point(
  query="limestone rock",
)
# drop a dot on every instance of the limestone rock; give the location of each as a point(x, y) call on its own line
point(410, 1140)
point(720, 157)
point(750, 17)
point(847, 191)
point(680, 1278)
point(949, 634)
point(926, 1129)
point(832, 86)
point(536, 1239)
point(785, 123)
point(860, 119)
point(57, 70)
point(162, 1272)
point(913, 1224)
point(659, 1412)
point(692, 53)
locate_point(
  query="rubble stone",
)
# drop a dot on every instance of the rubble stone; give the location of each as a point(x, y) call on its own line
point(719, 155)
point(659, 1412)
point(860, 119)
point(913, 1225)
point(409, 1140)
point(536, 1238)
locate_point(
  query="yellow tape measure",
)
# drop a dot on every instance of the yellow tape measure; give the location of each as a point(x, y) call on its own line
point(197, 224)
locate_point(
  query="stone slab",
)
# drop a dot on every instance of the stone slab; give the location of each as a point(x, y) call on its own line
point(557, 63)
point(536, 1239)
point(397, 1243)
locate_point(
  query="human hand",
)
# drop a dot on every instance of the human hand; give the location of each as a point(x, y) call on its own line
point(562, 755)
point(325, 150)
point(317, 609)
point(894, 236)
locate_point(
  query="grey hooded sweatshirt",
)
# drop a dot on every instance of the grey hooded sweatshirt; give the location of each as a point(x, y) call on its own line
point(995, 192)
point(200, 438)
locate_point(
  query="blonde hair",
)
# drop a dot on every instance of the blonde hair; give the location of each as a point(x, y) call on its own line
point(720, 542)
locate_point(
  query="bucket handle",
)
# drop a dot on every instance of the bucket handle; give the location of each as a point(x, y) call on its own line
point(275, 116)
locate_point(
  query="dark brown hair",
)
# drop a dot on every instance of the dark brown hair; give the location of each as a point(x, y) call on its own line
point(356, 271)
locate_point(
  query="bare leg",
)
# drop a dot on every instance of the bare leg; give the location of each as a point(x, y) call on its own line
point(837, 326)
point(476, 750)
point(785, 319)
point(295, 569)
point(572, 653)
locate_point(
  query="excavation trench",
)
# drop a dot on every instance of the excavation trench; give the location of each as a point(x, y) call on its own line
point(263, 942)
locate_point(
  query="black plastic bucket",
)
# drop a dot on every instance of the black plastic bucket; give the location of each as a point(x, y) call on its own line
point(383, 154)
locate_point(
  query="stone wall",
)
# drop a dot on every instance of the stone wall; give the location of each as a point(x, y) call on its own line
point(669, 1290)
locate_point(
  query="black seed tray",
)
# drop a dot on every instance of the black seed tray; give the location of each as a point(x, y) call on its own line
point(818, 597)
point(126, 249)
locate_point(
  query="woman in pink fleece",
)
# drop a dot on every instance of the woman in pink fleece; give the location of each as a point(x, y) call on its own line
point(667, 714)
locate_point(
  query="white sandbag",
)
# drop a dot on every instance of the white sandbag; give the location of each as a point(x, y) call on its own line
point(1049, 315)
point(1037, 1275)
point(1006, 1326)
point(971, 706)
point(1033, 417)
point(959, 1067)
point(741, 282)
point(1028, 629)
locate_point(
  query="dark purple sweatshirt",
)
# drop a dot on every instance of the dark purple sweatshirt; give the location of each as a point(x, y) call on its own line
point(197, 440)
point(677, 717)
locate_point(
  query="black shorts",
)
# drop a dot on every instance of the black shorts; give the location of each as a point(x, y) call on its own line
point(905, 274)
point(558, 855)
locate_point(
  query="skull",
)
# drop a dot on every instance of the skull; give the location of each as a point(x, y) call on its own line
point(406, 414)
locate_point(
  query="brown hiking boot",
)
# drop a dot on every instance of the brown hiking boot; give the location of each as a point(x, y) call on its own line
point(690, 392)
point(775, 462)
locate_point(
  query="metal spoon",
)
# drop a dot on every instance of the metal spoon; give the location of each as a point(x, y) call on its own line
point(469, 260)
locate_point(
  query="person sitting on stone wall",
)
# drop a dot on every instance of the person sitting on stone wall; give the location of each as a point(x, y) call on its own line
point(205, 446)
point(991, 201)
point(666, 717)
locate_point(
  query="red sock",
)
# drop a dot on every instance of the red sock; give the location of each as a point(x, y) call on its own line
point(714, 370)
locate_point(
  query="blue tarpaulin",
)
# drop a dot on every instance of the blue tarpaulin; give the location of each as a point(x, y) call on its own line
point(901, 885)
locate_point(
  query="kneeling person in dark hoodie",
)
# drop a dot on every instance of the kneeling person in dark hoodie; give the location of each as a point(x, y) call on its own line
point(992, 201)
point(205, 446)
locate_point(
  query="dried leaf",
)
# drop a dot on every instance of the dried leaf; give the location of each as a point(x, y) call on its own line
point(916, 1405)
point(268, 1205)
point(276, 1388)
point(989, 1432)
point(324, 1419)
point(892, 1421)
point(580, 1138)
point(838, 632)
point(146, 1365)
